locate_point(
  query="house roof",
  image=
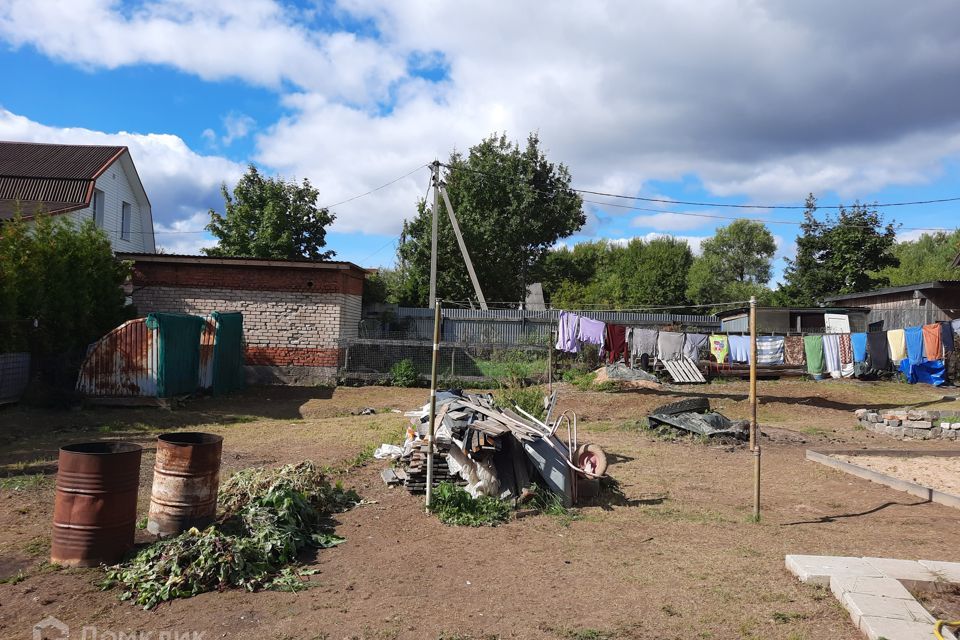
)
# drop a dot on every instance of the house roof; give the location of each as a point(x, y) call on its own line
point(733, 312)
point(175, 258)
point(922, 286)
point(56, 178)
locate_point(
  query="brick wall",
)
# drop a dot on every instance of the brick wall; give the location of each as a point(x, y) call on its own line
point(293, 316)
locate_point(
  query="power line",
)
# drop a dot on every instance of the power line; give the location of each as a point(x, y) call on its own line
point(714, 216)
point(387, 184)
point(706, 204)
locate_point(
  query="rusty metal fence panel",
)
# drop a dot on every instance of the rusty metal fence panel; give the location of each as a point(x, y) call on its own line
point(122, 363)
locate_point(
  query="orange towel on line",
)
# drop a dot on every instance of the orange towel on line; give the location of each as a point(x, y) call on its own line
point(932, 344)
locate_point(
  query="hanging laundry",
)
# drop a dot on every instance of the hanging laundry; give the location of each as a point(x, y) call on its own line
point(719, 348)
point(769, 350)
point(859, 342)
point(846, 349)
point(616, 341)
point(591, 331)
point(567, 332)
point(946, 336)
point(693, 345)
point(739, 348)
point(846, 356)
point(914, 340)
point(643, 341)
point(878, 350)
point(898, 345)
point(955, 325)
point(813, 350)
point(932, 344)
point(793, 353)
point(669, 345)
point(831, 354)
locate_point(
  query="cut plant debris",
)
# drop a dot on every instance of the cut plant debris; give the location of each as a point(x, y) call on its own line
point(453, 505)
point(268, 517)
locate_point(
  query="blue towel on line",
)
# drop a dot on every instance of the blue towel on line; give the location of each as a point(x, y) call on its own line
point(914, 336)
point(859, 341)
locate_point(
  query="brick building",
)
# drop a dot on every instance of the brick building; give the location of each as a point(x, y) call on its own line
point(294, 312)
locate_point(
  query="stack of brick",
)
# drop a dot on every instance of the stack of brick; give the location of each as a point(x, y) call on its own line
point(911, 423)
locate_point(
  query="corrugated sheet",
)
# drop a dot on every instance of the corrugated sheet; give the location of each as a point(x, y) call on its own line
point(513, 326)
point(32, 160)
point(208, 337)
point(123, 363)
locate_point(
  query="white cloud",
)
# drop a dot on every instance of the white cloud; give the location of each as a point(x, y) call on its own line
point(259, 41)
point(238, 126)
point(186, 236)
point(765, 100)
point(674, 221)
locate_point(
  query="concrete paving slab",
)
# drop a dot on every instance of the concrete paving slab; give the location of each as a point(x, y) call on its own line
point(878, 628)
point(884, 587)
point(862, 605)
point(946, 571)
point(819, 569)
point(908, 571)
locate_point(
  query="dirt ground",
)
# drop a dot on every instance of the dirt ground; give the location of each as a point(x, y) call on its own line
point(673, 554)
point(936, 472)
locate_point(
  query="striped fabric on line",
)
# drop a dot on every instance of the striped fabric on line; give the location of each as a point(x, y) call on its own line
point(769, 350)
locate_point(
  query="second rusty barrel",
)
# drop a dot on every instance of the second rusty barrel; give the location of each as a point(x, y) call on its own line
point(185, 482)
point(95, 508)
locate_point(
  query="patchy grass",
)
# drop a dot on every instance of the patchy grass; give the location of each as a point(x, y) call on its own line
point(25, 482)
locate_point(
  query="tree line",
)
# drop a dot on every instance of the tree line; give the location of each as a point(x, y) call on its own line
point(516, 207)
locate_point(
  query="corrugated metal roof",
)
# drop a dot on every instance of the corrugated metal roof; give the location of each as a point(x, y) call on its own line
point(921, 286)
point(71, 161)
point(53, 177)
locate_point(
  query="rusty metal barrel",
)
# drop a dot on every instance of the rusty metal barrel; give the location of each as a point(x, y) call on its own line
point(95, 509)
point(185, 482)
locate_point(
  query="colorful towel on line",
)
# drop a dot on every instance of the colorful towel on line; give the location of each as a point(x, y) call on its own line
point(859, 342)
point(914, 339)
point(769, 349)
point(591, 331)
point(719, 348)
point(739, 349)
point(932, 344)
point(793, 353)
point(898, 345)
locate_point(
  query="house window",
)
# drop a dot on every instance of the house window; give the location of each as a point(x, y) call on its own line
point(125, 215)
point(97, 207)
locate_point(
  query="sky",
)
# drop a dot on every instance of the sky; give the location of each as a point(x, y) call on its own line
point(726, 102)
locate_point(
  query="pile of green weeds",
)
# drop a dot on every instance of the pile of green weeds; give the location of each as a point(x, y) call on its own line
point(268, 516)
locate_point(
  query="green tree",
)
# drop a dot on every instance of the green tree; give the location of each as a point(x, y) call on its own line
point(734, 264)
point(512, 204)
point(929, 257)
point(270, 218)
point(639, 273)
point(60, 285)
point(841, 254)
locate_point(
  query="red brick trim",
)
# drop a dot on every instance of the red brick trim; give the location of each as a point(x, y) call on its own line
point(291, 356)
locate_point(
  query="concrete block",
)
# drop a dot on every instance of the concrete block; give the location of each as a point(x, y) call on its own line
point(891, 629)
point(882, 587)
point(891, 422)
point(936, 432)
point(862, 605)
point(903, 570)
point(873, 417)
point(819, 569)
point(918, 424)
point(913, 414)
point(859, 413)
point(931, 414)
point(946, 571)
point(897, 432)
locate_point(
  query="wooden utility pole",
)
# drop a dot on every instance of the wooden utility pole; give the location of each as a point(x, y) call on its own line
point(754, 432)
point(433, 400)
point(435, 170)
point(463, 248)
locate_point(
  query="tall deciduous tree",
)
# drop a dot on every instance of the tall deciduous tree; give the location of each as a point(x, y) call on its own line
point(929, 257)
point(512, 204)
point(734, 264)
point(841, 254)
point(270, 218)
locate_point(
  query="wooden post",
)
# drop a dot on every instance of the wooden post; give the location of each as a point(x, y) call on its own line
point(433, 400)
point(435, 168)
point(754, 434)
